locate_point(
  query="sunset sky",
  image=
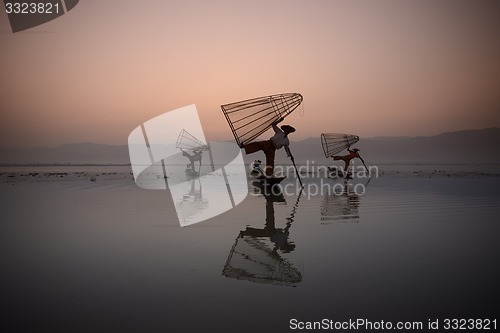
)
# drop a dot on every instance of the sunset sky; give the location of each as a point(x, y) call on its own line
point(372, 68)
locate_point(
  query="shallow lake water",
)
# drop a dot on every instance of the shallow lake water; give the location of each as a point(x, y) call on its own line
point(86, 256)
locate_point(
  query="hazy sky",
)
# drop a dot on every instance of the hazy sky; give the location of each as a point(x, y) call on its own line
point(365, 67)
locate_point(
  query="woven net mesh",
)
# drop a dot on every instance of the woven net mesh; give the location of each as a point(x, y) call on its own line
point(334, 143)
point(250, 118)
point(187, 141)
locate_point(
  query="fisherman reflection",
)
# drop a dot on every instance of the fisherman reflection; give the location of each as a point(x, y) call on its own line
point(255, 256)
point(279, 236)
point(340, 206)
point(192, 202)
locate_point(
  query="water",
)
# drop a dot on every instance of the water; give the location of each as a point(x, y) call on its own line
point(108, 256)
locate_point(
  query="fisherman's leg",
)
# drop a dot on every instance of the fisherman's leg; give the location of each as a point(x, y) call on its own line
point(252, 147)
point(346, 166)
point(270, 161)
point(348, 174)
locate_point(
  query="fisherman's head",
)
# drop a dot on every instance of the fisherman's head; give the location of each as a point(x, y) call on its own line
point(287, 129)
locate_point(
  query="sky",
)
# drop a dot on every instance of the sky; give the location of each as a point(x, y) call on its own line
point(371, 68)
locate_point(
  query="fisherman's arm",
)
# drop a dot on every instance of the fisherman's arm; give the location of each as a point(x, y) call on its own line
point(279, 120)
point(276, 128)
point(275, 125)
point(288, 153)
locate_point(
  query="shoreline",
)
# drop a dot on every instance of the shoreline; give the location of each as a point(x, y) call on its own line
point(93, 173)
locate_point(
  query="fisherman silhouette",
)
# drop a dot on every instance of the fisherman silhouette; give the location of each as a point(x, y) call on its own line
point(347, 158)
point(269, 147)
point(197, 155)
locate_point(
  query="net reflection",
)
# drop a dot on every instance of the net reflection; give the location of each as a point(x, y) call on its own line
point(256, 253)
point(340, 207)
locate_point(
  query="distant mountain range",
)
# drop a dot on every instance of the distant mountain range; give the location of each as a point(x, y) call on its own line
point(80, 153)
point(470, 146)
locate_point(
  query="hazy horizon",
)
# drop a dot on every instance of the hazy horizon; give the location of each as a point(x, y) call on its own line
point(230, 138)
point(385, 68)
point(469, 147)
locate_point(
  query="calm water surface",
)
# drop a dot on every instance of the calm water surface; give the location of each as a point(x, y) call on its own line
point(108, 256)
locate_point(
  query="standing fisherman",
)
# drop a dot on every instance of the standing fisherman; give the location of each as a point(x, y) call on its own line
point(269, 147)
point(197, 155)
point(347, 158)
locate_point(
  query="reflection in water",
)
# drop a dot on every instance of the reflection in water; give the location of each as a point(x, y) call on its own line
point(255, 254)
point(192, 202)
point(342, 206)
point(223, 188)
